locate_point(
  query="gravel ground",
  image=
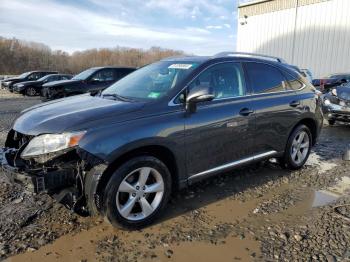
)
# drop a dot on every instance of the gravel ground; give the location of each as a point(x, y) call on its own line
point(260, 213)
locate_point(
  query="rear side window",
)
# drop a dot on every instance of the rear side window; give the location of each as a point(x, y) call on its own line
point(294, 83)
point(265, 78)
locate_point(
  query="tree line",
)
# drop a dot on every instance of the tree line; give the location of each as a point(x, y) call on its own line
point(17, 56)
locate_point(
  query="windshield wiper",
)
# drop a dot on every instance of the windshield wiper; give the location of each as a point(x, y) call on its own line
point(119, 97)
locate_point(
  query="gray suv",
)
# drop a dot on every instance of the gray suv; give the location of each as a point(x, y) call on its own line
point(122, 152)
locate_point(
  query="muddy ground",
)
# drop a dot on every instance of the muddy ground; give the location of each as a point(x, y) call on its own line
point(258, 213)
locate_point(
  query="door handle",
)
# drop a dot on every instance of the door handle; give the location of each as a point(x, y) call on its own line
point(294, 103)
point(246, 112)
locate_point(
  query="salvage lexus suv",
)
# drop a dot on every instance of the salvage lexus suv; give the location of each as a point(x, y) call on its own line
point(120, 153)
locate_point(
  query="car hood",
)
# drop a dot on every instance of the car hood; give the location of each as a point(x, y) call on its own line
point(70, 114)
point(12, 79)
point(61, 82)
point(30, 83)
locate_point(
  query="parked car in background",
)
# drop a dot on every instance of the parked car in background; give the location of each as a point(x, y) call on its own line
point(91, 80)
point(28, 76)
point(327, 83)
point(32, 88)
point(336, 104)
point(307, 73)
point(122, 152)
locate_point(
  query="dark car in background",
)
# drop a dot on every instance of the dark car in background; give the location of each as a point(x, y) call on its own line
point(27, 76)
point(336, 104)
point(327, 83)
point(32, 88)
point(91, 80)
point(122, 152)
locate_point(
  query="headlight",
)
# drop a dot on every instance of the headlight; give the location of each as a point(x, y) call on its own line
point(327, 102)
point(51, 143)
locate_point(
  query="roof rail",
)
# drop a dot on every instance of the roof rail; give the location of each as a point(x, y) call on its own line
point(278, 59)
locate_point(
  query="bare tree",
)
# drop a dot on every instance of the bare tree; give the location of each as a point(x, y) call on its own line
point(17, 56)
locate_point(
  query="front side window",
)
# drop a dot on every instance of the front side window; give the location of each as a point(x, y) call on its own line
point(223, 80)
point(265, 78)
point(152, 82)
point(34, 76)
point(103, 75)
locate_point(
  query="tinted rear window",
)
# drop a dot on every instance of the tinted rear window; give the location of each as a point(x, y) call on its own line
point(265, 78)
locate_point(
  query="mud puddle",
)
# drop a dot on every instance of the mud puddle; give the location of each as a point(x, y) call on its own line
point(222, 230)
point(177, 239)
point(332, 194)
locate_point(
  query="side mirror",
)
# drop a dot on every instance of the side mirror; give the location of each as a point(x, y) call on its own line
point(198, 95)
point(95, 92)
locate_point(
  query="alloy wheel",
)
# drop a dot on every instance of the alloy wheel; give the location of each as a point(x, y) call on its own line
point(300, 147)
point(31, 91)
point(140, 193)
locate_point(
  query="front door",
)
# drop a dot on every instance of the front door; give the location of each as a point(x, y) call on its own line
point(219, 132)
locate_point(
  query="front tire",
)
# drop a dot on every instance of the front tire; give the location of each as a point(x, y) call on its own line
point(298, 148)
point(137, 192)
point(30, 91)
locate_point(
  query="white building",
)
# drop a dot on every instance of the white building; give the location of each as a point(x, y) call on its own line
point(313, 34)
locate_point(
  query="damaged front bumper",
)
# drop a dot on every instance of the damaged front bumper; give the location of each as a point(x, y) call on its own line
point(339, 113)
point(32, 183)
point(73, 183)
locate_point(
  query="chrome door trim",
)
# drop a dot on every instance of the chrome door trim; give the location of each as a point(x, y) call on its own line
point(233, 164)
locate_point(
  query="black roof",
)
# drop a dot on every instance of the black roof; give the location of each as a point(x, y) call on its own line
point(112, 67)
point(236, 55)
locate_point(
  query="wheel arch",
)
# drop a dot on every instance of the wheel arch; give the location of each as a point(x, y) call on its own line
point(160, 152)
point(311, 124)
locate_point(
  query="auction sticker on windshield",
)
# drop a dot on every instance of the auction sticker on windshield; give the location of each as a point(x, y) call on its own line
point(154, 95)
point(180, 66)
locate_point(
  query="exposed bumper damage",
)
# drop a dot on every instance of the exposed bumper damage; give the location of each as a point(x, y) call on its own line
point(339, 114)
point(71, 177)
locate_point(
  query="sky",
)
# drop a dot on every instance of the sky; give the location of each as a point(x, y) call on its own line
point(201, 27)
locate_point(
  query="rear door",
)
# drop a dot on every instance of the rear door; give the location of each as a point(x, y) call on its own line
point(220, 131)
point(276, 107)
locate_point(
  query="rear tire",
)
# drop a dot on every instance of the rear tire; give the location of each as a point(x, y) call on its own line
point(143, 184)
point(298, 148)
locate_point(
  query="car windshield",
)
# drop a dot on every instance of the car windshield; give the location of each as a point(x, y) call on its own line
point(44, 78)
point(84, 75)
point(24, 75)
point(151, 82)
point(344, 92)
